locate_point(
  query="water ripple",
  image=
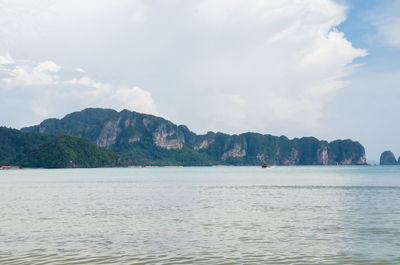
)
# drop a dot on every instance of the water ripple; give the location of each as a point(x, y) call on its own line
point(200, 216)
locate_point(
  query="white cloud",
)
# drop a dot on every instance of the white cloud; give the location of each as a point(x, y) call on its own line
point(80, 70)
point(6, 59)
point(230, 65)
point(284, 58)
point(47, 66)
point(42, 74)
point(41, 91)
point(132, 98)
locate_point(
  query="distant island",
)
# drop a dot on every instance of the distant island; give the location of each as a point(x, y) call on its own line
point(388, 159)
point(97, 137)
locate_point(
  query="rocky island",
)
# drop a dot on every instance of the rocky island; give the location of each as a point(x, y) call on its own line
point(142, 139)
point(387, 158)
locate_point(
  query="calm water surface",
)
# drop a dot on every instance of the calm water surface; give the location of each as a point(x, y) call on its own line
point(218, 215)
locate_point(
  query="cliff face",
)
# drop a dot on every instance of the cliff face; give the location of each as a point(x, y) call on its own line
point(388, 158)
point(109, 128)
point(253, 149)
point(155, 139)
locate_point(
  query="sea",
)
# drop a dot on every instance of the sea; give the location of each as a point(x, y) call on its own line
point(201, 215)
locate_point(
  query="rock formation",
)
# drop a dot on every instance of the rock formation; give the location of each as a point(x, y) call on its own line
point(388, 158)
point(141, 138)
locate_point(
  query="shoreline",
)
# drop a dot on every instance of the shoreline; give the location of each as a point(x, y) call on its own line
point(212, 166)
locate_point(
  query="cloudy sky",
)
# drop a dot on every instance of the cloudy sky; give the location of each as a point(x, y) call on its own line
point(324, 68)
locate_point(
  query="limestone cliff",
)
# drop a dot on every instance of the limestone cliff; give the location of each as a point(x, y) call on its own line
point(169, 138)
point(323, 157)
point(236, 151)
point(109, 133)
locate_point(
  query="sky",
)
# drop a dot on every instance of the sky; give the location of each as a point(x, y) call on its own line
point(323, 68)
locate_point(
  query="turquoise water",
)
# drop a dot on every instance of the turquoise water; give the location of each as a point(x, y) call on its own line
point(210, 215)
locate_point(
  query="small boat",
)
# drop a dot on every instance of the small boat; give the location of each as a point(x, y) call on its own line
point(9, 167)
point(265, 166)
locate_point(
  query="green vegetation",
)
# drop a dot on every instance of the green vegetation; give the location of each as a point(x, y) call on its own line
point(388, 159)
point(14, 143)
point(52, 151)
point(341, 150)
point(65, 151)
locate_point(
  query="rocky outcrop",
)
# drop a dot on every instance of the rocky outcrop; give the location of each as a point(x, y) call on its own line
point(133, 139)
point(362, 161)
point(388, 158)
point(323, 157)
point(292, 159)
point(236, 151)
point(348, 161)
point(261, 158)
point(109, 133)
point(169, 139)
point(346, 152)
point(203, 145)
